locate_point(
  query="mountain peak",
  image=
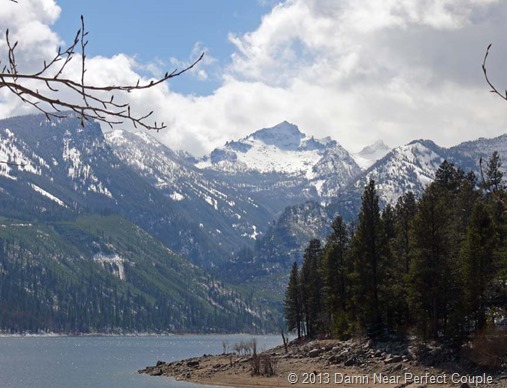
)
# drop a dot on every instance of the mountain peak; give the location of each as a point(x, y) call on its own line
point(425, 142)
point(378, 146)
point(285, 136)
point(370, 154)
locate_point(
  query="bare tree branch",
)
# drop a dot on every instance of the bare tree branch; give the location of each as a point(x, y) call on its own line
point(504, 97)
point(93, 105)
point(484, 70)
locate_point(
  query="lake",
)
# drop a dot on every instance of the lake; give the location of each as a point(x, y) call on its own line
point(109, 361)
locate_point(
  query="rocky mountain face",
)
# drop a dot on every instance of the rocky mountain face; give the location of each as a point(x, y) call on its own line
point(239, 188)
point(406, 168)
point(56, 173)
point(78, 171)
point(245, 212)
point(227, 216)
point(412, 167)
point(282, 166)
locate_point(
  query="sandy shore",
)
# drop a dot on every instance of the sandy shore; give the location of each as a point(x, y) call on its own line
point(342, 364)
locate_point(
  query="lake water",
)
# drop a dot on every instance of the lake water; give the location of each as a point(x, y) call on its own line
point(109, 362)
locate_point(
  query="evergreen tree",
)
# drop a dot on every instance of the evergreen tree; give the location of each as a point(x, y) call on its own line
point(370, 251)
point(293, 303)
point(311, 287)
point(478, 265)
point(396, 310)
point(448, 177)
point(406, 208)
point(336, 267)
point(464, 202)
point(430, 278)
point(494, 175)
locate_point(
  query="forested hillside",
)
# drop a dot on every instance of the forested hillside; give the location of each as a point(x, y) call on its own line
point(435, 266)
point(104, 274)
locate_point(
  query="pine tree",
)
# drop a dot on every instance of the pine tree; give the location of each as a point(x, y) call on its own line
point(448, 177)
point(406, 208)
point(478, 265)
point(494, 175)
point(370, 252)
point(293, 304)
point(394, 276)
point(311, 288)
point(431, 249)
point(336, 267)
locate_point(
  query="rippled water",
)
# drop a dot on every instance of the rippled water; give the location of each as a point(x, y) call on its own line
point(112, 362)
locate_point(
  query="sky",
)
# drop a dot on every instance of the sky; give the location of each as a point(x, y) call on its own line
point(355, 70)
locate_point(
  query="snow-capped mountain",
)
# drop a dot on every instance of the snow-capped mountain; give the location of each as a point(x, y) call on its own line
point(407, 168)
point(370, 154)
point(412, 167)
point(210, 208)
point(285, 158)
point(44, 151)
point(65, 169)
point(468, 154)
point(224, 213)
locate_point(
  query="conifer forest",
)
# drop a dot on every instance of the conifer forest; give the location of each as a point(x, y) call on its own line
point(434, 266)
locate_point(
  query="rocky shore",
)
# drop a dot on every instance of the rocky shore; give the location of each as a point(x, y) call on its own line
point(350, 364)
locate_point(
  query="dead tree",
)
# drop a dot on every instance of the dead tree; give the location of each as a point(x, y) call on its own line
point(41, 89)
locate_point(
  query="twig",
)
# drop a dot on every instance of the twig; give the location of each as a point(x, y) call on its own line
point(484, 70)
point(92, 105)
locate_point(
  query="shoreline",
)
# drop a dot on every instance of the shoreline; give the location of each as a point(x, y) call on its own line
point(143, 334)
point(351, 364)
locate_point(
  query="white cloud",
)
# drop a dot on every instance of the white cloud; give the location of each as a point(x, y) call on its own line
point(357, 70)
point(28, 25)
point(197, 71)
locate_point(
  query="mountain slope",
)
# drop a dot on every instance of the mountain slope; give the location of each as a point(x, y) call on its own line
point(412, 167)
point(224, 213)
point(407, 168)
point(283, 166)
point(75, 170)
point(468, 154)
point(105, 274)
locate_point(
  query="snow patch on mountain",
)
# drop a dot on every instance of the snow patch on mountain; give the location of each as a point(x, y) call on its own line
point(280, 149)
point(97, 187)
point(407, 168)
point(254, 233)
point(48, 195)
point(112, 263)
point(322, 165)
point(14, 157)
point(175, 196)
point(80, 171)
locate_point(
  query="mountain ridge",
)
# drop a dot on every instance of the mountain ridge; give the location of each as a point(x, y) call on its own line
point(239, 224)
